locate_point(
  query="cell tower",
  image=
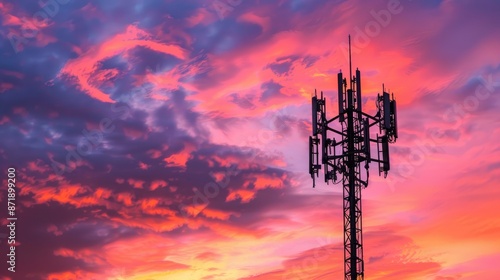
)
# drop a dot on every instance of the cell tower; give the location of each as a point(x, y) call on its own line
point(344, 157)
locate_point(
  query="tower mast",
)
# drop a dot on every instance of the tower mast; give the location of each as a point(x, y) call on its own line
point(354, 149)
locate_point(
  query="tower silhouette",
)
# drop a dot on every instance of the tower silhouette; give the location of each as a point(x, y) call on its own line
point(344, 157)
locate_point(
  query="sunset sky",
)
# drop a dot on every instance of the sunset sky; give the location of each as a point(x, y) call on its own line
point(168, 139)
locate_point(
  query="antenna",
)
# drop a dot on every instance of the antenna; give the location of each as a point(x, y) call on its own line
point(387, 111)
point(366, 132)
point(324, 149)
point(355, 148)
point(349, 99)
point(358, 89)
point(314, 115)
point(394, 116)
point(340, 82)
point(350, 65)
point(383, 155)
point(314, 167)
point(311, 155)
point(325, 160)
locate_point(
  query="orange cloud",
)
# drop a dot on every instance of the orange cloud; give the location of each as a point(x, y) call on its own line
point(180, 159)
point(242, 194)
point(85, 66)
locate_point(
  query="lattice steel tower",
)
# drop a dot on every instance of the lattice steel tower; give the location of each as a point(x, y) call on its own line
point(344, 157)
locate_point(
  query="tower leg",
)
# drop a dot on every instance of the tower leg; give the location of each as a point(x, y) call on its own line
point(353, 249)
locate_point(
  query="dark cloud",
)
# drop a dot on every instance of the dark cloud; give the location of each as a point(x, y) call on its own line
point(270, 90)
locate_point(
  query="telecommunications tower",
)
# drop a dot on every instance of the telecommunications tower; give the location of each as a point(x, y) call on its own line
point(344, 157)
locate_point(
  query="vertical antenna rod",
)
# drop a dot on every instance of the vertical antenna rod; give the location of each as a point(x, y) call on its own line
point(350, 65)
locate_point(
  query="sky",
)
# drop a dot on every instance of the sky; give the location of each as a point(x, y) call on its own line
point(169, 139)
